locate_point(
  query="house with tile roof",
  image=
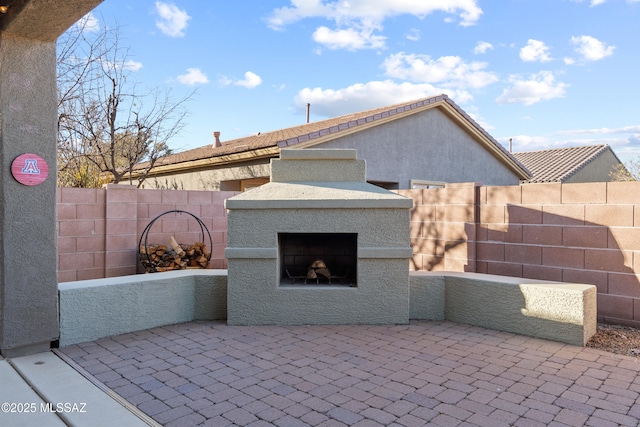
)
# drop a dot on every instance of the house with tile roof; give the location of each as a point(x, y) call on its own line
point(416, 144)
point(592, 163)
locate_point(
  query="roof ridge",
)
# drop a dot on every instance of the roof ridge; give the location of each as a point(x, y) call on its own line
point(364, 117)
point(561, 148)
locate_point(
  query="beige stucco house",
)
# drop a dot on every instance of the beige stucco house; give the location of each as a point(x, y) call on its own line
point(416, 144)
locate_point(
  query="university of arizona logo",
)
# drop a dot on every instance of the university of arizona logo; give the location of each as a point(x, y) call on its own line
point(31, 167)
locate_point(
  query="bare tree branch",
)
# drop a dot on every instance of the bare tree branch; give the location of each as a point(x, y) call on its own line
point(106, 124)
point(626, 172)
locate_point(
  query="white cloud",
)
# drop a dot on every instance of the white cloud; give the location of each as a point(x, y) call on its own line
point(350, 38)
point(535, 51)
point(528, 143)
point(364, 96)
point(132, 65)
point(413, 35)
point(356, 20)
point(172, 20)
point(88, 23)
point(194, 76)
point(251, 80)
point(603, 131)
point(372, 10)
point(593, 3)
point(448, 71)
point(538, 87)
point(482, 47)
point(128, 65)
point(625, 140)
point(591, 49)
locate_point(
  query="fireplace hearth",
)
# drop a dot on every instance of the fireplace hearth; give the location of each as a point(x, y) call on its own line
point(318, 245)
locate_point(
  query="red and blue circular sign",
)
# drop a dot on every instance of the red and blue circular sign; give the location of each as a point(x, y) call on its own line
point(30, 169)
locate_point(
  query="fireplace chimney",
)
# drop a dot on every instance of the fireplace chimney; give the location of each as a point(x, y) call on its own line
point(217, 143)
point(308, 111)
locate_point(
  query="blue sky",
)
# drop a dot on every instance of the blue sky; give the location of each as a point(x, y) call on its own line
point(545, 73)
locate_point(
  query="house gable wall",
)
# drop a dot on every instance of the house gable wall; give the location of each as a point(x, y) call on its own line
point(598, 170)
point(425, 146)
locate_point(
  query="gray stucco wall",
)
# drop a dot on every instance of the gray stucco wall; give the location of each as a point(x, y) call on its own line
point(426, 146)
point(563, 312)
point(253, 279)
point(28, 117)
point(28, 302)
point(210, 179)
point(93, 309)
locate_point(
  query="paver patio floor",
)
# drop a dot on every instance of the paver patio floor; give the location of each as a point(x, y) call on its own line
point(424, 373)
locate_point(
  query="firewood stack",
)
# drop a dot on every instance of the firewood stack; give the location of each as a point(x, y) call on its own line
point(318, 268)
point(158, 257)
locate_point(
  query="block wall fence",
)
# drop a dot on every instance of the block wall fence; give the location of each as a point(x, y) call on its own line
point(99, 229)
point(583, 233)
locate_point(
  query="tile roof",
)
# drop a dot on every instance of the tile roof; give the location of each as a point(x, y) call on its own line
point(306, 132)
point(291, 136)
point(558, 164)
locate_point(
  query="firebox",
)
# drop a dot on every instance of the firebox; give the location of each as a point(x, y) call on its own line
point(318, 245)
point(318, 259)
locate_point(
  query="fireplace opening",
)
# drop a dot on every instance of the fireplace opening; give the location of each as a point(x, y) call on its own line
point(328, 259)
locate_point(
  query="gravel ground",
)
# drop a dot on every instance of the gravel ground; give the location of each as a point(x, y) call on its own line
point(617, 339)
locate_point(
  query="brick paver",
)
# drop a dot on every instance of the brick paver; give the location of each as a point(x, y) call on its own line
point(424, 373)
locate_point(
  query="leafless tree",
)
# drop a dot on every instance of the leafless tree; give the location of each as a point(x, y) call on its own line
point(106, 123)
point(626, 172)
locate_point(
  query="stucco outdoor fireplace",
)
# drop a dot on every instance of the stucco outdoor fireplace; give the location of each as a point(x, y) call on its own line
point(318, 245)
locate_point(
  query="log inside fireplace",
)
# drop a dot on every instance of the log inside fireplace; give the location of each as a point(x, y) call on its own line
point(318, 259)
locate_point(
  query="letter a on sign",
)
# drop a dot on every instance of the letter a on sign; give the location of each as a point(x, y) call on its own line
point(30, 169)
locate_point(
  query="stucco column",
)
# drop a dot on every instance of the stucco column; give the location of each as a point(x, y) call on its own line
point(28, 249)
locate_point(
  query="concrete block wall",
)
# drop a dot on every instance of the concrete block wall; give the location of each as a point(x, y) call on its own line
point(582, 233)
point(99, 229)
point(443, 227)
point(81, 233)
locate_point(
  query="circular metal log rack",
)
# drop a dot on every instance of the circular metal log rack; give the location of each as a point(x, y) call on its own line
point(145, 235)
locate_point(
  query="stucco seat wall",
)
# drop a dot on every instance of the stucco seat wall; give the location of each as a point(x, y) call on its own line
point(565, 312)
point(99, 308)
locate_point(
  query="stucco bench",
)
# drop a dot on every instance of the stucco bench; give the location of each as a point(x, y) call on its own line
point(564, 312)
point(93, 309)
